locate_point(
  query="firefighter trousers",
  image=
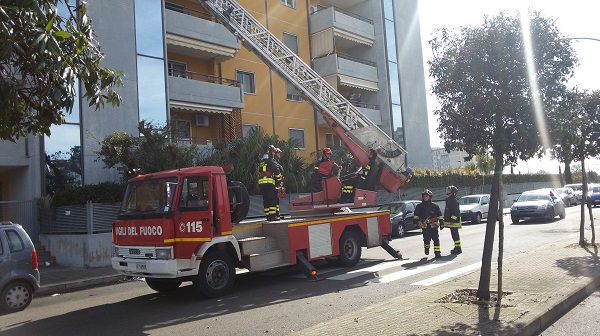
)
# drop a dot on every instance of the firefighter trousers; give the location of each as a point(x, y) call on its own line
point(270, 201)
point(431, 234)
point(455, 236)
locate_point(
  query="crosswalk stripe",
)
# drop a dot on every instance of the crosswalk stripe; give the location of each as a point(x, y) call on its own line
point(447, 275)
point(409, 272)
point(368, 270)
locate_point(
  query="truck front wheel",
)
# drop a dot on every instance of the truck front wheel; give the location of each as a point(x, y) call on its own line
point(216, 275)
point(162, 285)
point(350, 250)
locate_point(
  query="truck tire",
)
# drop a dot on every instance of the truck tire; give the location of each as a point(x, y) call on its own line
point(350, 249)
point(239, 201)
point(162, 285)
point(216, 274)
point(16, 296)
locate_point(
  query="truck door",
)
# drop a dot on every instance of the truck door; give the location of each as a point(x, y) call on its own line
point(194, 223)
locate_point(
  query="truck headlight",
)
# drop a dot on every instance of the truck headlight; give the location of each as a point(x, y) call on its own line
point(163, 253)
point(116, 251)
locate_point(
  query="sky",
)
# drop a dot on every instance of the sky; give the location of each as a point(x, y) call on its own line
point(574, 18)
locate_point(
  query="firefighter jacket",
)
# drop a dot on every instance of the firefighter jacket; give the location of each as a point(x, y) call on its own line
point(428, 214)
point(327, 167)
point(270, 172)
point(452, 213)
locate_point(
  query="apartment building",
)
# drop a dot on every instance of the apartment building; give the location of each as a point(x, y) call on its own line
point(184, 68)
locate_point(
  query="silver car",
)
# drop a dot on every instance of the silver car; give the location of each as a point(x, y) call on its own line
point(19, 274)
point(540, 203)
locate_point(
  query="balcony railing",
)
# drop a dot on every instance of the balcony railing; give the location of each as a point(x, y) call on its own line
point(203, 77)
point(200, 141)
point(356, 59)
point(356, 16)
point(364, 105)
point(188, 11)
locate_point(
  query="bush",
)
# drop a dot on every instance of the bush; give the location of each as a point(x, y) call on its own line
point(106, 192)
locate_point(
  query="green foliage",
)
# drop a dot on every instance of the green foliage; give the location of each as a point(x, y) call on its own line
point(467, 178)
point(484, 79)
point(52, 52)
point(98, 193)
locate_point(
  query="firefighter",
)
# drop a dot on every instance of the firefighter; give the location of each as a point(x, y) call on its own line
point(366, 179)
point(324, 168)
point(270, 177)
point(280, 186)
point(429, 215)
point(452, 217)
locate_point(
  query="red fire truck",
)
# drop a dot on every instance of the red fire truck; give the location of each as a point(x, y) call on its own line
point(185, 225)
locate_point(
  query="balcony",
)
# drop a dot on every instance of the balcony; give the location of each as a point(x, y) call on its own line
point(346, 28)
point(350, 71)
point(204, 93)
point(192, 33)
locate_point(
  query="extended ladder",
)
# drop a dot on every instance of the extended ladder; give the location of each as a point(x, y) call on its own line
point(358, 133)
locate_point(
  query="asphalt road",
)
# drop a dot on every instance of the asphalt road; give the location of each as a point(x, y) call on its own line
point(278, 302)
point(584, 319)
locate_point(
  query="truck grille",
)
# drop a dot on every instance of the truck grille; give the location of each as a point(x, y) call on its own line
point(137, 252)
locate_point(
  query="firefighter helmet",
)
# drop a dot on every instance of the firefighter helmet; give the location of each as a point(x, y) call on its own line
point(326, 151)
point(452, 189)
point(427, 192)
point(270, 148)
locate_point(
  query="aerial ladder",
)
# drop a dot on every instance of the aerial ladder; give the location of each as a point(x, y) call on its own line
point(358, 133)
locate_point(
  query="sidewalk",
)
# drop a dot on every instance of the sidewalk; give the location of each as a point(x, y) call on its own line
point(543, 284)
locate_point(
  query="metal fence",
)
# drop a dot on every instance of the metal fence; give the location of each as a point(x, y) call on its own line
point(21, 212)
point(79, 219)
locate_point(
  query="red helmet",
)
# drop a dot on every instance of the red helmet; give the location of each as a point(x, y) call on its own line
point(327, 151)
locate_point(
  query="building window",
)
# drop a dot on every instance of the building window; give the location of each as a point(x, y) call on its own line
point(332, 141)
point(289, 3)
point(247, 80)
point(248, 129)
point(181, 131)
point(177, 69)
point(298, 135)
point(291, 41)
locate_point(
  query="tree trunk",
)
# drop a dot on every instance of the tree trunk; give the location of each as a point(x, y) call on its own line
point(583, 203)
point(589, 206)
point(568, 175)
point(483, 291)
point(500, 238)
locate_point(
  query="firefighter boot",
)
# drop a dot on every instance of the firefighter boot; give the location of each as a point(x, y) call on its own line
point(438, 255)
point(456, 250)
point(427, 251)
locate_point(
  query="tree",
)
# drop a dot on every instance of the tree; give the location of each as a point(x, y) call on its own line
point(564, 123)
point(492, 82)
point(42, 57)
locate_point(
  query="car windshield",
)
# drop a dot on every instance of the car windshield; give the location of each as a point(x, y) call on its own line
point(595, 189)
point(393, 208)
point(562, 190)
point(532, 197)
point(575, 187)
point(468, 200)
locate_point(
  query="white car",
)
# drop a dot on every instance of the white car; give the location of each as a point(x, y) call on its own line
point(474, 208)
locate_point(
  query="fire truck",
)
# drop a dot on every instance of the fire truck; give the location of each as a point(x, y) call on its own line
point(188, 224)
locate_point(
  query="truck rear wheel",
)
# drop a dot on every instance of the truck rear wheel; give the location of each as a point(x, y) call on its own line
point(216, 274)
point(239, 201)
point(350, 250)
point(162, 285)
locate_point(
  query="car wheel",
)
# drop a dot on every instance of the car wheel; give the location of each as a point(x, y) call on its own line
point(350, 250)
point(216, 274)
point(550, 215)
point(400, 230)
point(16, 296)
point(477, 219)
point(515, 220)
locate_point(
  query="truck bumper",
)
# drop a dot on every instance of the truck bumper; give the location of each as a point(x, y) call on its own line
point(146, 268)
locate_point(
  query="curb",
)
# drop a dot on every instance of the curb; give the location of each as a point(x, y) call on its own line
point(546, 319)
point(66, 286)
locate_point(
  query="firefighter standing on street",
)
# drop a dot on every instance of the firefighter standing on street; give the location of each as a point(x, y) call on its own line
point(429, 215)
point(270, 177)
point(452, 217)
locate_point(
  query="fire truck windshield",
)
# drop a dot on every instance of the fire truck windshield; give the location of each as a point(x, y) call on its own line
point(146, 197)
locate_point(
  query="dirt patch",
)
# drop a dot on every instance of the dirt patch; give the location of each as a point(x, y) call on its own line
point(469, 296)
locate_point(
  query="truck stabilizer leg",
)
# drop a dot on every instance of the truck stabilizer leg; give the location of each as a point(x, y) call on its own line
point(308, 269)
point(394, 253)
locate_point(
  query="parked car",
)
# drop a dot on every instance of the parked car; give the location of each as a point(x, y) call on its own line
point(540, 203)
point(401, 216)
point(19, 274)
point(594, 192)
point(577, 190)
point(474, 208)
point(567, 195)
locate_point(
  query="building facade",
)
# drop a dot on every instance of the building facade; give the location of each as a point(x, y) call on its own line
point(444, 160)
point(183, 68)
